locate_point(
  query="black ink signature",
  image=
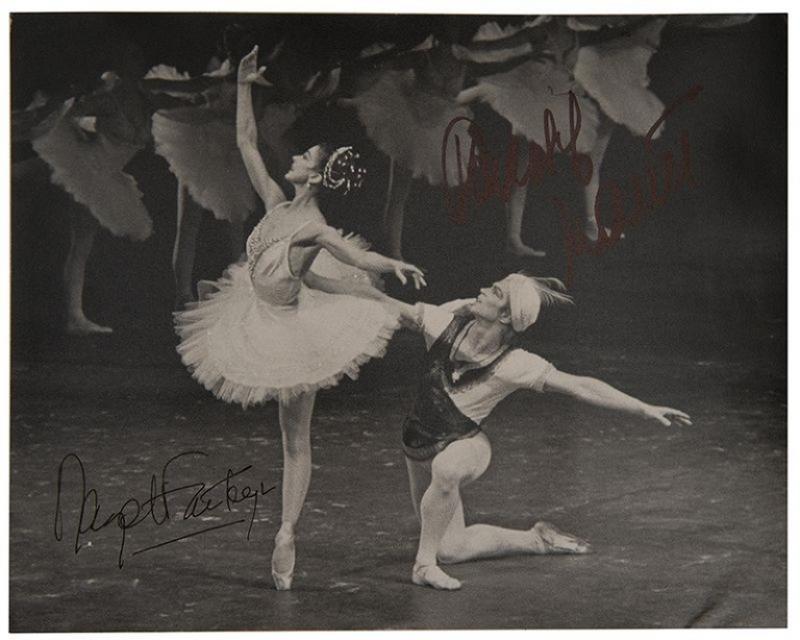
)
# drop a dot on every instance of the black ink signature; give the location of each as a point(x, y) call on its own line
point(157, 506)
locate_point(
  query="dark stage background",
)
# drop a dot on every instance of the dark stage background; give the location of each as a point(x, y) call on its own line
point(713, 255)
point(688, 310)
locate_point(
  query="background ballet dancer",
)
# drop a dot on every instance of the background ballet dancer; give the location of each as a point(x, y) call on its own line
point(87, 141)
point(471, 366)
point(602, 60)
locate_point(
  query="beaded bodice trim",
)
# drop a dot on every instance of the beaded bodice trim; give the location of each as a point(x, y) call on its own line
point(257, 244)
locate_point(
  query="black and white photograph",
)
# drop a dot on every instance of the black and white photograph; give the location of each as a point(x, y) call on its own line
point(397, 321)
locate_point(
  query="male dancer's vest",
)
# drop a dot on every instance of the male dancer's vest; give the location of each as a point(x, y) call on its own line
point(435, 421)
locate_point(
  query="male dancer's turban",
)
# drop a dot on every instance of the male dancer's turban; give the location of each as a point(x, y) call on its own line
point(527, 295)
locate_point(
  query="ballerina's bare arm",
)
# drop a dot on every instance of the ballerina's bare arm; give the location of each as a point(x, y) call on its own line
point(335, 285)
point(195, 85)
point(330, 239)
point(247, 134)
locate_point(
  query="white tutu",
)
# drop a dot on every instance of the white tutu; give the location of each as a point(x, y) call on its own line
point(615, 74)
point(90, 168)
point(522, 94)
point(248, 351)
point(407, 120)
point(199, 144)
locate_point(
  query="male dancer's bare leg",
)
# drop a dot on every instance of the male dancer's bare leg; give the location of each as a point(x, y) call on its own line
point(461, 543)
point(188, 226)
point(458, 464)
point(295, 419)
point(82, 230)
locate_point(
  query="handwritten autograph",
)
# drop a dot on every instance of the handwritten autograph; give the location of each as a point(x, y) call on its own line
point(647, 192)
point(202, 499)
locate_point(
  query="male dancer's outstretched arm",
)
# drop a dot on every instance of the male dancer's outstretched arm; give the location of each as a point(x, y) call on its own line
point(601, 394)
point(443, 441)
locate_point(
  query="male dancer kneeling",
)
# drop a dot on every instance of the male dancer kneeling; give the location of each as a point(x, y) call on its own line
point(471, 366)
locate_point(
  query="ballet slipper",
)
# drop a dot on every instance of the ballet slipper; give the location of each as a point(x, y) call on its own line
point(431, 575)
point(549, 539)
point(82, 326)
point(593, 232)
point(519, 249)
point(283, 555)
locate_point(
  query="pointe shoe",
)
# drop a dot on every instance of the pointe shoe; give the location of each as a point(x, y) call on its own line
point(283, 554)
point(549, 539)
point(430, 575)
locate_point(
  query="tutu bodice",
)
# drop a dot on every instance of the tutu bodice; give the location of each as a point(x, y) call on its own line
point(268, 264)
point(260, 333)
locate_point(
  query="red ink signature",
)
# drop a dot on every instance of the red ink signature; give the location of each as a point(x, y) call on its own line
point(483, 170)
point(647, 192)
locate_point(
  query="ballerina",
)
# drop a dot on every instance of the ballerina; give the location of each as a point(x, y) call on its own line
point(277, 329)
point(603, 60)
point(199, 144)
point(86, 142)
point(415, 91)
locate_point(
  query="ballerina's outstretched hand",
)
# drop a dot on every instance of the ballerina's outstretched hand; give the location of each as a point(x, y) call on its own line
point(402, 269)
point(250, 72)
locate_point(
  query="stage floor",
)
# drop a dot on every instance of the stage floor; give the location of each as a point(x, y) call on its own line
point(688, 525)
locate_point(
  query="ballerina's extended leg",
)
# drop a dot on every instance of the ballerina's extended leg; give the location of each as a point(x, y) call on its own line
point(83, 229)
point(295, 419)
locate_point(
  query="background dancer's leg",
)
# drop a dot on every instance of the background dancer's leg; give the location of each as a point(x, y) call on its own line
point(394, 213)
point(236, 237)
point(515, 210)
point(188, 226)
point(590, 226)
point(295, 419)
point(82, 231)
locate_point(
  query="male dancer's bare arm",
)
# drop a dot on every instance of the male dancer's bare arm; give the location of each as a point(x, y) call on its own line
point(600, 394)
